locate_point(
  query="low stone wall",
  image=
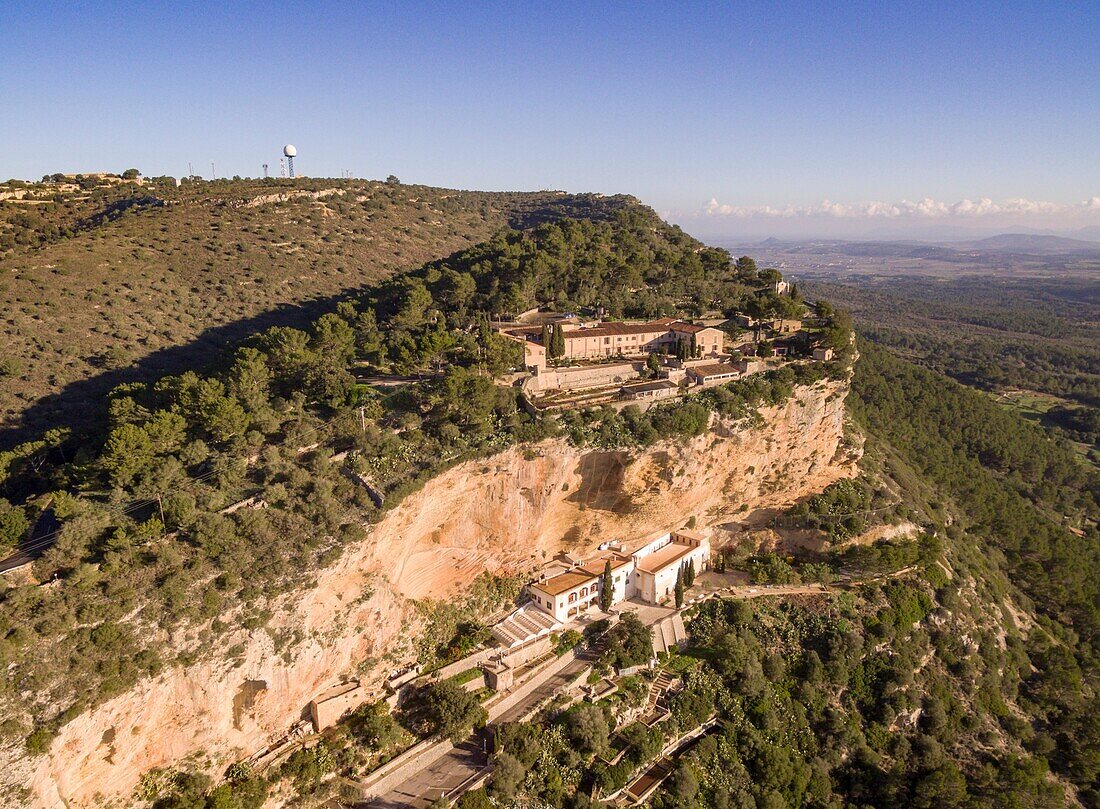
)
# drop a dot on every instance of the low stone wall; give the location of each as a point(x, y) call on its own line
point(585, 376)
point(328, 707)
point(459, 666)
point(524, 690)
point(398, 769)
point(528, 651)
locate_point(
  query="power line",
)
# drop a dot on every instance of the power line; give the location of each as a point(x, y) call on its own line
point(46, 540)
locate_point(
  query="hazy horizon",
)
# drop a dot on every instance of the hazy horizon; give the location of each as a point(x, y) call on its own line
point(737, 123)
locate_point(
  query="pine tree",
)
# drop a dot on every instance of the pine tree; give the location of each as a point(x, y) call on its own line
point(679, 588)
point(606, 593)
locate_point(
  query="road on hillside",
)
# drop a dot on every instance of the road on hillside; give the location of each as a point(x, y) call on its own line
point(468, 760)
point(461, 765)
point(38, 543)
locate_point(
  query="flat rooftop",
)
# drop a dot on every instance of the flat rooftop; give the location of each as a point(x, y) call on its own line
point(668, 555)
point(565, 582)
point(688, 533)
point(713, 369)
point(645, 387)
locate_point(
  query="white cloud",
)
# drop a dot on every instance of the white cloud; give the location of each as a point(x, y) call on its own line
point(905, 209)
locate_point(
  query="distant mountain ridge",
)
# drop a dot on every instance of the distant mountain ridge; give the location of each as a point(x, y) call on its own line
point(1032, 242)
point(1023, 244)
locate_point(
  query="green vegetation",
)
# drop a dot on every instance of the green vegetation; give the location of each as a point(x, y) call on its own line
point(144, 540)
point(1036, 333)
point(453, 629)
point(628, 643)
point(1020, 494)
point(606, 588)
point(105, 282)
point(923, 689)
point(444, 710)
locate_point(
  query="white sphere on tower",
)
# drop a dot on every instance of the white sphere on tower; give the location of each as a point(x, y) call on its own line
point(289, 150)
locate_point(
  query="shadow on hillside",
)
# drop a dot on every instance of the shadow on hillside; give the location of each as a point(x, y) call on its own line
point(80, 404)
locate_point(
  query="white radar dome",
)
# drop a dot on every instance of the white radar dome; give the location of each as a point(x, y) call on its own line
point(289, 150)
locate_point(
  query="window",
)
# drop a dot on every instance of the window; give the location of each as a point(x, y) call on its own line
point(607, 341)
point(572, 597)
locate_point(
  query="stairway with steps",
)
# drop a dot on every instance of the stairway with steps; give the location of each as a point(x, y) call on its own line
point(669, 634)
point(526, 623)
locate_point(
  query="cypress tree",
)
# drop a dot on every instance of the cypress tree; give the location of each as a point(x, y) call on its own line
point(557, 342)
point(606, 593)
point(679, 588)
point(689, 575)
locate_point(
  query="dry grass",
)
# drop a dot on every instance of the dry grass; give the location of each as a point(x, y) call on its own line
point(163, 286)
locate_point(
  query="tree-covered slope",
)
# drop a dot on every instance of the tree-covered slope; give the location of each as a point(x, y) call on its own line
point(142, 545)
point(956, 669)
point(1025, 507)
point(110, 283)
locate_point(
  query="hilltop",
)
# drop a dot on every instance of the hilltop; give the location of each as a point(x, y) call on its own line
point(105, 281)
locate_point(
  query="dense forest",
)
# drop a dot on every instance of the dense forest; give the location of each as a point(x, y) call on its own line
point(1032, 341)
point(959, 669)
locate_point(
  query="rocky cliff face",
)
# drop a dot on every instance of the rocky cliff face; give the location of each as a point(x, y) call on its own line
point(506, 514)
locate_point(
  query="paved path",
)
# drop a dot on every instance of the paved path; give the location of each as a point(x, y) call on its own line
point(461, 765)
point(546, 690)
point(40, 541)
point(468, 760)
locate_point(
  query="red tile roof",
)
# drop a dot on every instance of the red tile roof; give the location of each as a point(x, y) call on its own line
point(564, 582)
point(596, 566)
point(687, 328)
point(611, 329)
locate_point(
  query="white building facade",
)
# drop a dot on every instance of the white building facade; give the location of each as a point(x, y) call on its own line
point(649, 573)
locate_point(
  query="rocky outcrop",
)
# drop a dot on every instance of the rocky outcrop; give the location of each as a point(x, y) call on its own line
point(285, 196)
point(506, 514)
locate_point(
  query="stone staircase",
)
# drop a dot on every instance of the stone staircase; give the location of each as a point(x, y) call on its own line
point(669, 634)
point(526, 623)
point(663, 682)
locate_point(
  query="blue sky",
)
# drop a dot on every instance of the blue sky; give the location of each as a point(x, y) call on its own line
point(733, 119)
